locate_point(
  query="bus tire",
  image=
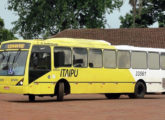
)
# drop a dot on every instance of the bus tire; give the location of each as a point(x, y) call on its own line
point(60, 92)
point(31, 98)
point(112, 95)
point(140, 90)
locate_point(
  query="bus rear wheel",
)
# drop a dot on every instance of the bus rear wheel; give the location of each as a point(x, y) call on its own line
point(31, 98)
point(60, 92)
point(112, 95)
point(140, 90)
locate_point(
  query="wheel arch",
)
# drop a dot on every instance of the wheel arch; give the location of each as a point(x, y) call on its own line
point(66, 85)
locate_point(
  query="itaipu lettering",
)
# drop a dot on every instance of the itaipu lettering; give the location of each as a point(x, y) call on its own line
point(69, 73)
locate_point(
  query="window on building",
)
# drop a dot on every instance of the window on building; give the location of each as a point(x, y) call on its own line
point(162, 61)
point(80, 57)
point(153, 60)
point(123, 59)
point(62, 57)
point(95, 58)
point(109, 59)
point(139, 60)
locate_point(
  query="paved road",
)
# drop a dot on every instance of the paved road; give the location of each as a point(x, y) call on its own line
point(82, 107)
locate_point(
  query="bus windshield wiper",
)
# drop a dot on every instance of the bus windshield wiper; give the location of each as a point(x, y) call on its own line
point(16, 57)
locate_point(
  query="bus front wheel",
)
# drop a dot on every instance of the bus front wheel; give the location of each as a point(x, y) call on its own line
point(60, 92)
point(112, 95)
point(31, 98)
point(140, 90)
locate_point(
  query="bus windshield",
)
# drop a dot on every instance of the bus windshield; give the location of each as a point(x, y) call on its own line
point(12, 62)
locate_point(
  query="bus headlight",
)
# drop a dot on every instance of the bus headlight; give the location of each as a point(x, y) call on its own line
point(20, 83)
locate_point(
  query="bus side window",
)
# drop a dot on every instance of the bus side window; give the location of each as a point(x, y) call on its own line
point(162, 61)
point(40, 62)
point(139, 60)
point(95, 58)
point(123, 59)
point(109, 58)
point(62, 57)
point(153, 60)
point(80, 57)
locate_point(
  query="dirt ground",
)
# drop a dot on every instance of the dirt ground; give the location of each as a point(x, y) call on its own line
point(82, 107)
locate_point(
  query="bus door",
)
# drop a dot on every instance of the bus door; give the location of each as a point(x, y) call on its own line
point(40, 64)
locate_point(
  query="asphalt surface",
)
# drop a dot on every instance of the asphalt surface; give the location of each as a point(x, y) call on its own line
point(82, 107)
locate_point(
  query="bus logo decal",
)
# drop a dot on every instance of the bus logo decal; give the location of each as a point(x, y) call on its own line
point(69, 73)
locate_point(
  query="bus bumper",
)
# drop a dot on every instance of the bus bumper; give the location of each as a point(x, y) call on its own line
point(12, 89)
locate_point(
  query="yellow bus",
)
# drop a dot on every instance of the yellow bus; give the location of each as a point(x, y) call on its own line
point(61, 66)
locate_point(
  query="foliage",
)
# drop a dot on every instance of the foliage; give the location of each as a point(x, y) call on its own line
point(4, 33)
point(151, 12)
point(134, 4)
point(38, 18)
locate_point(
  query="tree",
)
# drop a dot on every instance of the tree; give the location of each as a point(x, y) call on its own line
point(134, 4)
point(161, 20)
point(151, 12)
point(40, 17)
point(4, 33)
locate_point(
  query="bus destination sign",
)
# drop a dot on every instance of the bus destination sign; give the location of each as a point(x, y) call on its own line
point(15, 46)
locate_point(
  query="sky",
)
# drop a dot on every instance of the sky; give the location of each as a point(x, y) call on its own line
point(112, 19)
point(6, 15)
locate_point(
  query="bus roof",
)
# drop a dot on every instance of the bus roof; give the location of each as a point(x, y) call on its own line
point(78, 42)
point(68, 42)
point(24, 41)
point(75, 42)
point(128, 47)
